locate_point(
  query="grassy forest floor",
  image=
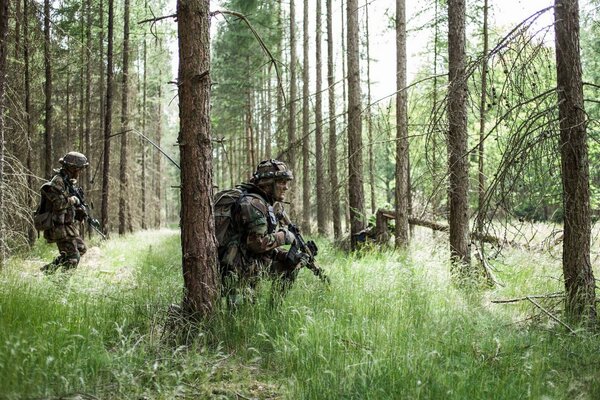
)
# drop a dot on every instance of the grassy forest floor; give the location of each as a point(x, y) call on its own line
point(391, 326)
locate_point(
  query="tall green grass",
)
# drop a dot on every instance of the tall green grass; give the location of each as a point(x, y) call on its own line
point(390, 326)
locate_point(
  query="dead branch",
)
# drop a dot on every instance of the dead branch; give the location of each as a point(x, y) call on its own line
point(535, 296)
point(548, 313)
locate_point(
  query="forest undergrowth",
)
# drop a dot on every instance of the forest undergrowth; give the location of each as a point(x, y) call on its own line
point(391, 325)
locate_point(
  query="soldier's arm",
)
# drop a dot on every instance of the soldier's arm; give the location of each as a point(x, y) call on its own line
point(258, 239)
point(57, 195)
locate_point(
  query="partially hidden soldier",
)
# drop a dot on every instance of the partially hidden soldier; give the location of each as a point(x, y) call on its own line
point(249, 234)
point(65, 213)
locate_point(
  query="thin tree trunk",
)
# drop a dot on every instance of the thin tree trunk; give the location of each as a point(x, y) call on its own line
point(3, 71)
point(88, 91)
point(108, 119)
point(158, 158)
point(31, 232)
point(305, 126)
point(344, 172)
point(143, 143)
point(48, 133)
point(402, 155)
point(198, 243)
point(370, 114)
point(577, 268)
point(123, 173)
point(458, 165)
point(355, 160)
point(291, 154)
point(480, 146)
point(333, 173)
point(320, 162)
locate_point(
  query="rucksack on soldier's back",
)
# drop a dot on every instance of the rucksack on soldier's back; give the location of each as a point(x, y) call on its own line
point(225, 203)
point(42, 216)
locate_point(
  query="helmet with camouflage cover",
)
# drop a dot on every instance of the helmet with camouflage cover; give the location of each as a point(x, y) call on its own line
point(74, 160)
point(269, 171)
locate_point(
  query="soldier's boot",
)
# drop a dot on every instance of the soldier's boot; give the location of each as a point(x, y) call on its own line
point(52, 267)
point(70, 262)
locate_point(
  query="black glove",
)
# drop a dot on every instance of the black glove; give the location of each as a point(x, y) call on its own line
point(294, 259)
point(79, 214)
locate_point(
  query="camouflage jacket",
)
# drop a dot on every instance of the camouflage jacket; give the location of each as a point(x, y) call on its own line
point(57, 196)
point(257, 223)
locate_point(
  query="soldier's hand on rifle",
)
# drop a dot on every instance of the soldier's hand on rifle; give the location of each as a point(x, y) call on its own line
point(297, 259)
point(289, 236)
point(74, 201)
point(80, 214)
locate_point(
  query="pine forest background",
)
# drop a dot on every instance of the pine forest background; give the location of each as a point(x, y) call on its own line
point(275, 94)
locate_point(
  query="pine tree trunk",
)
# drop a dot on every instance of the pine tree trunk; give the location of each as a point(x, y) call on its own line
point(198, 241)
point(402, 155)
point(291, 153)
point(355, 160)
point(123, 173)
point(305, 126)
point(333, 172)
point(48, 133)
point(3, 71)
point(369, 114)
point(480, 146)
point(143, 142)
point(31, 232)
point(319, 145)
point(577, 268)
point(458, 162)
point(108, 119)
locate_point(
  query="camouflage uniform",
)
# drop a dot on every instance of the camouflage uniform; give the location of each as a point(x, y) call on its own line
point(255, 247)
point(65, 220)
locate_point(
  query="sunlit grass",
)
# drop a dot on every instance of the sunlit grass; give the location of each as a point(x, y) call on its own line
point(391, 325)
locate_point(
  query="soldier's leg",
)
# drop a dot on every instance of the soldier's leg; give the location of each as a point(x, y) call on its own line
point(51, 267)
point(69, 246)
point(283, 277)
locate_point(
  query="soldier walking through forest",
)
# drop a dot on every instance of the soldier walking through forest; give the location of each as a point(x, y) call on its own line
point(249, 234)
point(60, 211)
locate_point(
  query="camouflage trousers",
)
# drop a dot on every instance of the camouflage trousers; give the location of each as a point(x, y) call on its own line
point(71, 249)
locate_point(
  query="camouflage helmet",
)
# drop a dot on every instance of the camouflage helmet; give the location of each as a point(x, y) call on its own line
point(74, 159)
point(271, 170)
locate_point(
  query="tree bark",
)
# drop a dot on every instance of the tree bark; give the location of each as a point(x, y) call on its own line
point(3, 71)
point(482, 115)
point(48, 133)
point(198, 243)
point(305, 126)
point(577, 268)
point(31, 233)
point(333, 172)
point(458, 163)
point(124, 164)
point(401, 192)
point(355, 161)
point(291, 156)
point(108, 118)
point(320, 163)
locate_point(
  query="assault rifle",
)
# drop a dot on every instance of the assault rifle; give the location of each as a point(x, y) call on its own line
point(301, 246)
point(92, 222)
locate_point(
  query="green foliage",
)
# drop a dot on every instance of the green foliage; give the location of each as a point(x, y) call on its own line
point(391, 325)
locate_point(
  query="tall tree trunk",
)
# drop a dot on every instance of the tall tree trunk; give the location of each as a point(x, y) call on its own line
point(123, 173)
point(333, 172)
point(108, 118)
point(577, 268)
point(402, 154)
point(48, 133)
point(280, 137)
point(3, 71)
point(88, 90)
point(143, 142)
point(345, 113)
point(101, 76)
point(198, 243)
point(31, 233)
point(458, 163)
point(480, 146)
point(291, 153)
point(370, 113)
point(355, 161)
point(320, 162)
point(305, 126)
point(158, 156)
